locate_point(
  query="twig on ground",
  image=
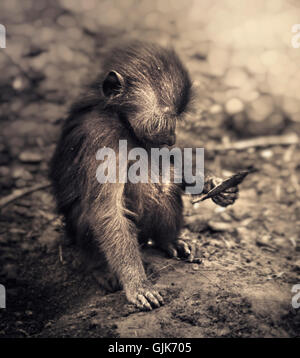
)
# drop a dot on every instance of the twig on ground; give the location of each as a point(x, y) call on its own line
point(18, 193)
point(287, 139)
point(161, 269)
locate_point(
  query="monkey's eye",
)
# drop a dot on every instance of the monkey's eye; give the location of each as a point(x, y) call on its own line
point(113, 84)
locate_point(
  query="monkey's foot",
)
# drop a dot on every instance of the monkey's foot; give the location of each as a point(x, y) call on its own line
point(184, 249)
point(145, 297)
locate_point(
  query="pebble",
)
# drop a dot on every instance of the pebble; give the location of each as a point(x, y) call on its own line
point(215, 109)
point(21, 173)
point(15, 230)
point(20, 83)
point(266, 154)
point(220, 226)
point(30, 157)
point(195, 267)
point(234, 105)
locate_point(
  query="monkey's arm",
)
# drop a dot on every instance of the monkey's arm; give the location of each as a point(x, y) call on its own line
point(117, 238)
point(116, 235)
point(227, 197)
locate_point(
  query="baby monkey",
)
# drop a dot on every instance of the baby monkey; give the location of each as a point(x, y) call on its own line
point(138, 97)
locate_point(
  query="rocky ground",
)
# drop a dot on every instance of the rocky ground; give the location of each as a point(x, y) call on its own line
point(246, 78)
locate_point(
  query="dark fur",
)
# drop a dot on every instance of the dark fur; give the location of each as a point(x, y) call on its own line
point(152, 91)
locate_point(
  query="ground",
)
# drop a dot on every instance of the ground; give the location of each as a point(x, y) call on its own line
point(242, 288)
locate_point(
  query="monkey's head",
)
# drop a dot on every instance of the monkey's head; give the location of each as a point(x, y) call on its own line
point(148, 87)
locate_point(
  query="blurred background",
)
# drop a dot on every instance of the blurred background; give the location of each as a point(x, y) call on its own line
point(239, 54)
point(246, 76)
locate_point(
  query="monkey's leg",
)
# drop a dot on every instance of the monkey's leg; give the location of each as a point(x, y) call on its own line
point(167, 238)
point(117, 239)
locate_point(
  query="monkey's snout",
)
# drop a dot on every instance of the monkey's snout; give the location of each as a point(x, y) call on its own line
point(171, 140)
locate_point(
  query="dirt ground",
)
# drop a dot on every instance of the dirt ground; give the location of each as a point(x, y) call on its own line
point(242, 288)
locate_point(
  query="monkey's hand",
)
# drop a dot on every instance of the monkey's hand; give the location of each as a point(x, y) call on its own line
point(184, 249)
point(227, 197)
point(143, 295)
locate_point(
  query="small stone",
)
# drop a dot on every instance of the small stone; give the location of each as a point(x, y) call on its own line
point(215, 109)
point(21, 173)
point(267, 154)
point(30, 157)
point(20, 83)
point(15, 230)
point(195, 267)
point(234, 105)
point(220, 226)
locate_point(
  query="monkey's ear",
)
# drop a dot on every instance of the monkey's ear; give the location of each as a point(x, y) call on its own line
point(113, 84)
